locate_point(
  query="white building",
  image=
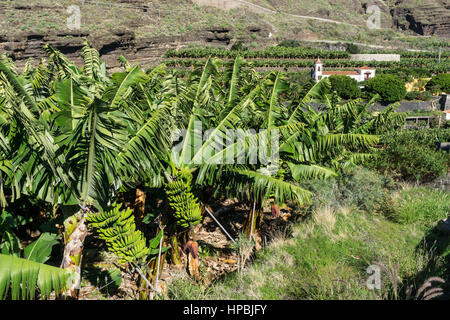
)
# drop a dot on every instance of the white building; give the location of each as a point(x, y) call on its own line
point(360, 74)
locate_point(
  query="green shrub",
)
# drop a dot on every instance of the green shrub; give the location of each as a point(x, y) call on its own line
point(289, 43)
point(407, 74)
point(346, 87)
point(425, 137)
point(390, 87)
point(325, 193)
point(418, 95)
point(422, 205)
point(439, 83)
point(238, 46)
point(413, 95)
point(412, 154)
point(361, 188)
point(367, 190)
point(352, 48)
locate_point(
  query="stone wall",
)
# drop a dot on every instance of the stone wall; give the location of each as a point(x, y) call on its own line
point(442, 183)
point(375, 57)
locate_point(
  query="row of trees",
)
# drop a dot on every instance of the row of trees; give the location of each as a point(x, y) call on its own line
point(271, 52)
point(76, 138)
point(287, 49)
point(429, 64)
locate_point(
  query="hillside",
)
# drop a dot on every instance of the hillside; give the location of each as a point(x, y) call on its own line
point(145, 32)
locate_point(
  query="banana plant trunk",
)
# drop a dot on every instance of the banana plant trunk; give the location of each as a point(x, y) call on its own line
point(253, 224)
point(176, 255)
point(143, 288)
point(151, 273)
point(74, 235)
point(139, 206)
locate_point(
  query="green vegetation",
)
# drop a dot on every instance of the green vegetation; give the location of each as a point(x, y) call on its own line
point(408, 74)
point(390, 87)
point(439, 83)
point(271, 52)
point(123, 154)
point(337, 64)
point(421, 206)
point(419, 95)
point(412, 154)
point(80, 156)
point(353, 49)
point(288, 55)
point(346, 87)
point(327, 256)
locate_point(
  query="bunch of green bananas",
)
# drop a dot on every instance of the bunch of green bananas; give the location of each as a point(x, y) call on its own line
point(118, 229)
point(183, 203)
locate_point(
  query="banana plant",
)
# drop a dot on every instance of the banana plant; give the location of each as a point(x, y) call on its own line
point(72, 146)
point(75, 137)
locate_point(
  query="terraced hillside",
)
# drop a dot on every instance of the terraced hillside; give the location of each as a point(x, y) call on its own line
point(144, 31)
point(427, 18)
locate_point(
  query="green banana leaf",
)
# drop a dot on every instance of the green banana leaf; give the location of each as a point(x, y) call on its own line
point(23, 276)
point(40, 250)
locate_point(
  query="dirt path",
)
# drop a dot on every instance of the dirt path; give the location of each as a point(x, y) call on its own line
point(230, 4)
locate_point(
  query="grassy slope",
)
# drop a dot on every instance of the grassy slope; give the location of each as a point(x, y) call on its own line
point(328, 255)
point(350, 11)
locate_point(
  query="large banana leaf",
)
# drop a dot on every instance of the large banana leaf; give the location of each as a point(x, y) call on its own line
point(23, 276)
point(40, 250)
point(256, 185)
point(234, 80)
point(317, 92)
point(142, 154)
point(217, 137)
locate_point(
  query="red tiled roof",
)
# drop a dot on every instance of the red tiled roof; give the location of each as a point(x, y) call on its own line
point(318, 61)
point(366, 68)
point(340, 73)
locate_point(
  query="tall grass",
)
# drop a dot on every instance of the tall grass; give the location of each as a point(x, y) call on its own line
point(422, 205)
point(329, 252)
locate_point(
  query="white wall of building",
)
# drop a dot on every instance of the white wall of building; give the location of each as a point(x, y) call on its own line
point(361, 76)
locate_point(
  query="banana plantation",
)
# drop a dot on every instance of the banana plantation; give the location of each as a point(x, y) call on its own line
point(84, 152)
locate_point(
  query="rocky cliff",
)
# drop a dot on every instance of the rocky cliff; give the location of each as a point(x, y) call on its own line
point(428, 19)
point(121, 35)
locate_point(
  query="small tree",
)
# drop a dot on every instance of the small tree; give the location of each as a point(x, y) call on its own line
point(390, 87)
point(352, 48)
point(288, 43)
point(238, 46)
point(346, 87)
point(439, 83)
